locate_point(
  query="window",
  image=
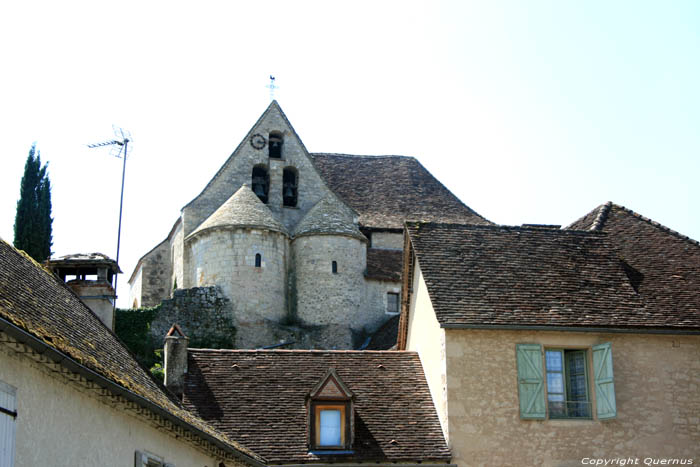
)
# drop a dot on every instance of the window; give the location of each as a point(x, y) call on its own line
point(258, 260)
point(147, 459)
point(260, 182)
point(275, 147)
point(289, 187)
point(330, 415)
point(392, 303)
point(563, 375)
point(8, 417)
point(334, 267)
point(330, 426)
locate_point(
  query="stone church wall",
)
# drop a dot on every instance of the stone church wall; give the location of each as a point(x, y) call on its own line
point(376, 303)
point(177, 254)
point(156, 269)
point(226, 258)
point(322, 297)
point(238, 170)
point(388, 240)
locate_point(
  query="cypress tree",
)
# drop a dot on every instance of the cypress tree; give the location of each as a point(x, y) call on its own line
point(33, 219)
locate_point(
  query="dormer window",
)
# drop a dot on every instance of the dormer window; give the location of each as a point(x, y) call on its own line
point(275, 145)
point(330, 415)
point(260, 182)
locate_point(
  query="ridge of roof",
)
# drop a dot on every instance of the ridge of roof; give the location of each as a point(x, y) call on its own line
point(495, 227)
point(656, 224)
point(242, 209)
point(311, 351)
point(366, 156)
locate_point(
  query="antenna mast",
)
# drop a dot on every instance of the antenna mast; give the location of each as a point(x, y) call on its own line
point(120, 148)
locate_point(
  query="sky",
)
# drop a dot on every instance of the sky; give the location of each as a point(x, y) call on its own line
point(530, 112)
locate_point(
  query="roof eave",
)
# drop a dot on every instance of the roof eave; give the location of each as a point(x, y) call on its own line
point(70, 364)
point(620, 330)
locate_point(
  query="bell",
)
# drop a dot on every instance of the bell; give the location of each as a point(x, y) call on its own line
point(288, 191)
point(258, 190)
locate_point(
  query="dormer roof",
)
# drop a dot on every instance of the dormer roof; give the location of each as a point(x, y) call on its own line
point(331, 387)
point(243, 209)
point(329, 217)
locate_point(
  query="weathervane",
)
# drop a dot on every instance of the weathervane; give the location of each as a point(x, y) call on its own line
point(120, 147)
point(272, 87)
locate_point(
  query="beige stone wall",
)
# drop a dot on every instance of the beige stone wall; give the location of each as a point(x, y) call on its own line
point(321, 296)
point(388, 240)
point(61, 424)
point(226, 257)
point(426, 337)
point(156, 271)
point(177, 253)
point(657, 381)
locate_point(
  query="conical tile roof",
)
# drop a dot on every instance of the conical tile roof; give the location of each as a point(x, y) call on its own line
point(328, 217)
point(243, 209)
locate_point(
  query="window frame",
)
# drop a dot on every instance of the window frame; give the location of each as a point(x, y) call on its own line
point(566, 354)
point(8, 420)
point(398, 303)
point(315, 423)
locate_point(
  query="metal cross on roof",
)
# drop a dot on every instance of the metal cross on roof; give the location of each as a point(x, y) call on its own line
point(272, 87)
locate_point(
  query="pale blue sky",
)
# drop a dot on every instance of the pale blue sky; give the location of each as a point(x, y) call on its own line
point(528, 111)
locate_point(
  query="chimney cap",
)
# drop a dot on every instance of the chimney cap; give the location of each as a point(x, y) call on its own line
point(175, 329)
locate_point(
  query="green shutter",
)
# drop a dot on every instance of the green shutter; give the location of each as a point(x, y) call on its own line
point(604, 382)
point(530, 381)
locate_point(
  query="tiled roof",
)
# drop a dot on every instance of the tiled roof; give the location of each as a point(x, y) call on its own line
point(34, 300)
point(260, 397)
point(384, 264)
point(668, 261)
point(387, 190)
point(328, 216)
point(243, 209)
point(496, 275)
point(386, 336)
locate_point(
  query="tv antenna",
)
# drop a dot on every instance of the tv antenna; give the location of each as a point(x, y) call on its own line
point(272, 87)
point(119, 149)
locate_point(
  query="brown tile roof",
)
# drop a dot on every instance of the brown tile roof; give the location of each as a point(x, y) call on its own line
point(384, 264)
point(259, 396)
point(497, 275)
point(387, 190)
point(35, 301)
point(669, 262)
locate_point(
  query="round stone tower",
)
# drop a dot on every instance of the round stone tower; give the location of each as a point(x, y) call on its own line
point(243, 249)
point(329, 263)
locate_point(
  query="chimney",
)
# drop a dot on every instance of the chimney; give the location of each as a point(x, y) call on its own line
point(175, 356)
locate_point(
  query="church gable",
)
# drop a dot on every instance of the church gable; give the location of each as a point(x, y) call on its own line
point(273, 160)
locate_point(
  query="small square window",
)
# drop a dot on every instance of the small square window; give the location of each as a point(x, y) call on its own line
point(392, 303)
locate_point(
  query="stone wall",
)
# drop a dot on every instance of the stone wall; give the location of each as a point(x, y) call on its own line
point(656, 384)
point(388, 240)
point(226, 257)
point(237, 170)
point(204, 314)
point(156, 267)
point(320, 296)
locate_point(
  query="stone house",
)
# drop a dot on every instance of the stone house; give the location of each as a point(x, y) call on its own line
point(555, 347)
point(72, 394)
point(305, 247)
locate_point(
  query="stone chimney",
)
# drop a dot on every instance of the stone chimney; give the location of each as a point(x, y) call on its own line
point(90, 276)
point(175, 357)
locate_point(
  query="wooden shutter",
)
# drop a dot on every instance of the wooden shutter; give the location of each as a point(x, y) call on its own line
point(604, 382)
point(8, 414)
point(530, 381)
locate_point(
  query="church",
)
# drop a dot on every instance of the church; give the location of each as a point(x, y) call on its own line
point(304, 248)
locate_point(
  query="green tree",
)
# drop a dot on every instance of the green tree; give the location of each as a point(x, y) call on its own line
point(33, 219)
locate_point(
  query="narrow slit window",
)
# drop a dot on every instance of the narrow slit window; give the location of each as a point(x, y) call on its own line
point(260, 182)
point(392, 303)
point(289, 187)
point(334, 267)
point(258, 260)
point(275, 145)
